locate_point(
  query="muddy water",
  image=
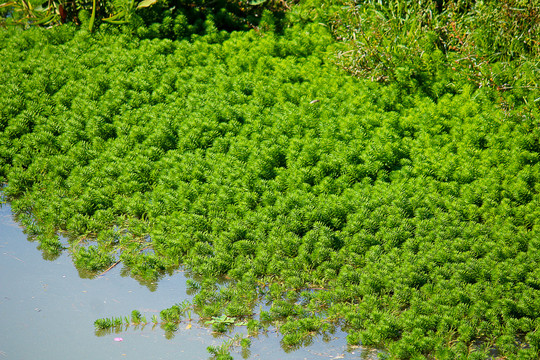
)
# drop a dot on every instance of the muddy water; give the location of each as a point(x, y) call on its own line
point(47, 312)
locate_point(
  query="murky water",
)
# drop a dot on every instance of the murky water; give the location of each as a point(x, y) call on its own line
point(47, 312)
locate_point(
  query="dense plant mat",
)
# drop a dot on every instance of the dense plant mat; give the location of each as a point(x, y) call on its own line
point(411, 221)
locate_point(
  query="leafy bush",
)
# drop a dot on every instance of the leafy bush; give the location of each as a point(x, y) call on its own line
point(148, 18)
point(413, 42)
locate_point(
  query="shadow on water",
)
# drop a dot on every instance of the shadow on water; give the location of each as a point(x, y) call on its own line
point(48, 309)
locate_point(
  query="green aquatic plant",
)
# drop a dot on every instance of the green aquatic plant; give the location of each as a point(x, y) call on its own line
point(223, 351)
point(220, 352)
point(107, 323)
point(279, 181)
point(92, 258)
point(136, 317)
point(220, 324)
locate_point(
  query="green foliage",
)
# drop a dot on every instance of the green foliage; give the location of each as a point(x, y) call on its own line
point(173, 19)
point(411, 221)
point(136, 317)
point(221, 352)
point(171, 314)
point(412, 43)
point(107, 323)
point(92, 258)
point(220, 324)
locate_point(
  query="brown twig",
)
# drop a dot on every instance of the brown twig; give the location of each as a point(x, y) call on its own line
point(110, 267)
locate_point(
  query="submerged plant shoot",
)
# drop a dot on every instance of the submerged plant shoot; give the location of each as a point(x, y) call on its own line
point(313, 157)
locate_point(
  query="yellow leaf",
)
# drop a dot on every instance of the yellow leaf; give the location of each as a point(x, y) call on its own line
point(146, 3)
point(188, 326)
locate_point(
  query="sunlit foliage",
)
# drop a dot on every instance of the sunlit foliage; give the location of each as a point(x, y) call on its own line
point(492, 44)
point(411, 221)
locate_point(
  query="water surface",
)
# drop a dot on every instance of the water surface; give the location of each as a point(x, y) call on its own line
point(47, 312)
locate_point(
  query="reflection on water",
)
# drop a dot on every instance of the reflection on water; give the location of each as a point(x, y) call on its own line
point(47, 311)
